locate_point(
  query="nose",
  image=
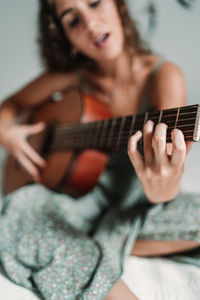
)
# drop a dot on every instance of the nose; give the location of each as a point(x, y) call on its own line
point(90, 21)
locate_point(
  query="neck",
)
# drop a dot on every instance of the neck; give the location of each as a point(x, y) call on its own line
point(118, 68)
point(111, 133)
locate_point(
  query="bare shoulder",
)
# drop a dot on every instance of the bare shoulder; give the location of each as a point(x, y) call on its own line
point(169, 72)
point(168, 87)
point(42, 87)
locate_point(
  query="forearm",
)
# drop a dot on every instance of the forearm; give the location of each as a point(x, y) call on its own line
point(9, 110)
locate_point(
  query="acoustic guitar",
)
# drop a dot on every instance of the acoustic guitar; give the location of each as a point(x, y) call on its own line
point(76, 151)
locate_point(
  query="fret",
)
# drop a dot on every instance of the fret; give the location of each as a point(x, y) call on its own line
point(155, 117)
point(140, 122)
point(160, 117)
point(111, 133)
point(104, 132)
point(169, 119)
point(78, 136)
point(123, 120)
point(146, 118)
point(94, 128)
point(115, 132)
point(132, 125)
point(177, 116)
point(98, 134)
point(88, 137)
point(83, 136)
point(99, 127)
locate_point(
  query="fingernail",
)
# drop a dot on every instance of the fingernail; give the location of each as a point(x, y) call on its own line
point(149, 126)
point(138, 133)
point(150, 123)
point(177, 135)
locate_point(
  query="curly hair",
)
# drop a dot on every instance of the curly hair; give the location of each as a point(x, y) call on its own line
point(55, 48)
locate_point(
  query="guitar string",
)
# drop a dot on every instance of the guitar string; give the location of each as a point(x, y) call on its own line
point(105, 142)
point(113, 131)
point(59, 126)
point(123, 132)
point(105, 147)
point(106, 133)
point(137, 125)
point(68, 146)
point(112, 138)
point(77, 143)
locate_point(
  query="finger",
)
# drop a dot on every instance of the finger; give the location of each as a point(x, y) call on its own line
point(147, 141)
point(29, 167)
point(134, 155)
point(188, 146)
point(179, 147)
point(35, 128)
point(160, 145)
point(169, 149)
point(33, 155)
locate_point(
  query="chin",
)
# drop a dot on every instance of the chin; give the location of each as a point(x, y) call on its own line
point(111, 55)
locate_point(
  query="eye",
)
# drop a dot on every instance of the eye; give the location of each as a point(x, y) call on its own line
point(74, 22)
point(95, 3)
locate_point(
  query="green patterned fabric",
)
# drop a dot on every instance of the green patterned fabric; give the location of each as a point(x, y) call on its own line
point(67, 248)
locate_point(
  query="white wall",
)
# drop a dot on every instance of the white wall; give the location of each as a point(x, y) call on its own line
point(19, 61)
point(176, 38)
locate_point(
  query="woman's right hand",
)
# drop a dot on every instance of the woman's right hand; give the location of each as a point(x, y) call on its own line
point(14, 138)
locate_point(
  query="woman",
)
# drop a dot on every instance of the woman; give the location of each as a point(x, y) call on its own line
point(69, 249)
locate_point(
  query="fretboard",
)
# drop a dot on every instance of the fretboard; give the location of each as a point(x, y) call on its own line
point(115, 132)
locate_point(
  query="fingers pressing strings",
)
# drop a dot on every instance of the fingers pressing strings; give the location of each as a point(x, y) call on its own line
point(147, 142)
point(159, 144)
point(178, 148)
point(135, 156)
point(155, 147)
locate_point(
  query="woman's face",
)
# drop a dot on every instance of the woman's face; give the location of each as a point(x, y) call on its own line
point(93, 27)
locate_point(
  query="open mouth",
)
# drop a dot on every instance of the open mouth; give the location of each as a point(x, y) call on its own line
point(101, 40)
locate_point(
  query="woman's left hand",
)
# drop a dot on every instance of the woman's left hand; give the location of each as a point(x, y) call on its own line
point(159, 172)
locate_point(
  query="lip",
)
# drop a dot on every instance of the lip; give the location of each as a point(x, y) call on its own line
point(103, 42)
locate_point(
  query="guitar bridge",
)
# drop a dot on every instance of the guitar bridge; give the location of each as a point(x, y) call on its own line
point(196, 135)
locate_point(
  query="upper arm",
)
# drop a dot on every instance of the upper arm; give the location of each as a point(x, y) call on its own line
point(168, 88)
point(40, 89)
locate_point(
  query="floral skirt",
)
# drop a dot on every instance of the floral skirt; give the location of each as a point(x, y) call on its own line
point(64, 248)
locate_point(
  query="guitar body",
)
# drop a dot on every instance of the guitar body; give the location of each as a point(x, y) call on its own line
point(72, 172)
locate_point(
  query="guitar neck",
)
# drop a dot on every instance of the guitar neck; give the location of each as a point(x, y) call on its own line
point(115, 132)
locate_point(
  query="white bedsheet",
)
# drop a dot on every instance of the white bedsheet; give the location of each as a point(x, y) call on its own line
point(148, 278)
point(162, 279)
